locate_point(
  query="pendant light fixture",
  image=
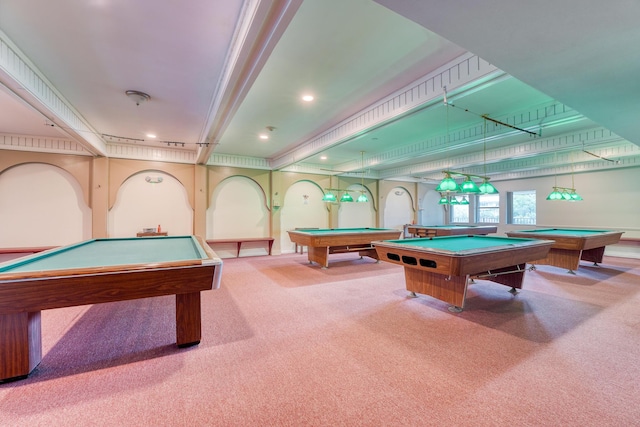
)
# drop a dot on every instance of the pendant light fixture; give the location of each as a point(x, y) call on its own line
point(564, 193)
point(329, 197)
point(331, 194)
point(362, 198)
point(346, 197)
point(486, 187)
point(448, 187)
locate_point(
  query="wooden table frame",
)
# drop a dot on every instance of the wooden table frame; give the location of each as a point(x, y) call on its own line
point(568, 250)
point(321, 245)
point(453, 230)
point(24, 295)
point(446, 275)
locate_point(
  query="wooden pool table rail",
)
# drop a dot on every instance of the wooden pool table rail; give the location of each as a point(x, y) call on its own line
point(24, 295)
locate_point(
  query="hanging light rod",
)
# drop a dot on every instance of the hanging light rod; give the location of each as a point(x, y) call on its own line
point(486, 117)
point(600, 157)
point(468, 175)
point(121, 138)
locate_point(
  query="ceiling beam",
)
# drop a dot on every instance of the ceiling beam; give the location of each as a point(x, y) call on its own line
point(27, 83)
point(259, 29)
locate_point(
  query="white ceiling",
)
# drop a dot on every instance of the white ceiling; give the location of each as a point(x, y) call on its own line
point(221, 72)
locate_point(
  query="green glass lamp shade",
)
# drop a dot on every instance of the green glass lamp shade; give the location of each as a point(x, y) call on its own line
point(555, 195)
point(464, 201)
point(487, 188)
point(566, 195)
point(329, 197)
point(469, 186)
point(346, 197)
point(447, 185)
point(575, 197)
point(454, 201)
point(443, 201)
point(362, 198)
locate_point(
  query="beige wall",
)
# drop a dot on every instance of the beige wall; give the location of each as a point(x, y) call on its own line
point(612, 199)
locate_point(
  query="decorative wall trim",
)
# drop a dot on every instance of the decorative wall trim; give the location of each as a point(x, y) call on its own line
point(141, 152)
point(238, 161)
point(531, 154)
point(41, 144)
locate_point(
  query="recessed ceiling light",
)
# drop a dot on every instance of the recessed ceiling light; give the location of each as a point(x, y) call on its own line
point(323, 157)
point(307, 98)
point(264, 136)
point(150, 135)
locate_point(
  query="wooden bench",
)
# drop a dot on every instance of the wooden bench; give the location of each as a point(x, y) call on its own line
point(239, 241)
point(25, 250)
point(7, 254)
point(629, 241)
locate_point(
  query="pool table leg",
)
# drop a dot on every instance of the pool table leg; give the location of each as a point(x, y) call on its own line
point(450, 289)
point(512, 276)
point(20, 344)
point(319, 255)
point(188, 319)
point(563, 258)
point(595, 255)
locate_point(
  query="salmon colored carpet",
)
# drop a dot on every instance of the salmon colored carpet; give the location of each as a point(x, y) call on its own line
point(286, 343)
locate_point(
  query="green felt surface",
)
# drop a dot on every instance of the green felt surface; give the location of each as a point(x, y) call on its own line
point(110, 252)
point(343, 230)
point(563, 232)
point(461, 243)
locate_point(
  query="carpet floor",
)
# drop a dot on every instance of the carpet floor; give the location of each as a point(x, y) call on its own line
point(285, 343)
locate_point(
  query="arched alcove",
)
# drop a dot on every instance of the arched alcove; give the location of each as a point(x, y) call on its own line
point(238, 209)
point(148, 199)
point(302, 208)
point(398, 209)
point(41, 205)
point(431, 213)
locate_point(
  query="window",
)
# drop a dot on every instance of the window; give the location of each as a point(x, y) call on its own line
point(521, 207)
point(459, 214)
point(488, 208)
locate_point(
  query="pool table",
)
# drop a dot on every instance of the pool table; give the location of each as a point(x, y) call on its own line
point(450, 230)
point(324, 241)
point(97, 271)
point(442, 267)
point(571, 245)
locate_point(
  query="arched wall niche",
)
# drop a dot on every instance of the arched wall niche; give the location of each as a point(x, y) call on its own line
point(78, 166)
point(149, 199)
point(238, 209)
point(399, 208)
point(217, 174)
point(301, 207)
point(43, 206)
point(121, 169)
